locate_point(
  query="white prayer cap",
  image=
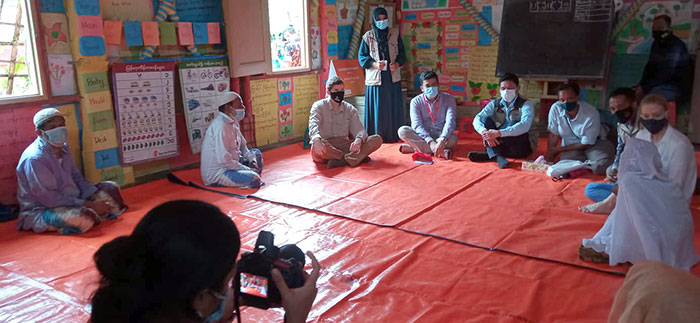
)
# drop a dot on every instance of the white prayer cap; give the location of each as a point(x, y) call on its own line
point(45, 115)
point(227, 97)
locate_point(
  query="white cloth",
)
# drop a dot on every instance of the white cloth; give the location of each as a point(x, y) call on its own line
point(677, 159)
point(566, 166)
point(650, 220)
point(584, 128)
point(223, 147)
point(45, 115)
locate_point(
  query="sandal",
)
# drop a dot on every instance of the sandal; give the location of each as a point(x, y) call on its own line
point(590, 255)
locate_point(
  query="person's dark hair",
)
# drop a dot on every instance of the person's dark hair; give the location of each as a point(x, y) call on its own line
point(332, 82)
point(177, 250)
point(428, 75)
point(222, 108)
point(509, 77)
point(628, 93)
point(569, 86)
point(665, 18)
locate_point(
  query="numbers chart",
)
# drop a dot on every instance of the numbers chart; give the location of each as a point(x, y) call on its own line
point(203, 81)
point(144, 97)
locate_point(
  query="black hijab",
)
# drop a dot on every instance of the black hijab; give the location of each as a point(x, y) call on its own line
point(382, 35)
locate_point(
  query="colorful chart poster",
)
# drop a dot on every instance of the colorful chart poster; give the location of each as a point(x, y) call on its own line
point(144, 96)
point(352, 74)
point(202, 82)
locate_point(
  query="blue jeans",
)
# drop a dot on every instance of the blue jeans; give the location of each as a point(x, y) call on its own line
point(245, 178)
point(599, 191)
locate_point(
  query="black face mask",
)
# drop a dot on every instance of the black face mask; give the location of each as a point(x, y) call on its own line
point(654, 125)
point(338, 96)
point(659, 35)
point(624, 115)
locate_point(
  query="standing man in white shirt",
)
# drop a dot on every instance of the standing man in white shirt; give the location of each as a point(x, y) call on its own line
point(577, 125)
point(226, 160)
point(336, 133)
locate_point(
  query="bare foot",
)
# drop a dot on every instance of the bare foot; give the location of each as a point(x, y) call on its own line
point(603, 207)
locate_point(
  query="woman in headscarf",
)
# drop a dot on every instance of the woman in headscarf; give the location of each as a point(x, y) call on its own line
point(651, 220)
point(382, 54)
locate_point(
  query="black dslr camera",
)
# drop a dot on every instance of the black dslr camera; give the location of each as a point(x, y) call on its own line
point(253, 280)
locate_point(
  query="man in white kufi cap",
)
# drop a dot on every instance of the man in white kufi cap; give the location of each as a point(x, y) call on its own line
point(226, 160)
point(52, 193)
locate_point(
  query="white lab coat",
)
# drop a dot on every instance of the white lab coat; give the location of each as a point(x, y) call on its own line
point(223, 149)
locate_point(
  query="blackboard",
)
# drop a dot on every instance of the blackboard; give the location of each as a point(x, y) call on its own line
point(555, 38)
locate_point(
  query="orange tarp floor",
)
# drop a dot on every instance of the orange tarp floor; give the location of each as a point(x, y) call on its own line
point(452, 241)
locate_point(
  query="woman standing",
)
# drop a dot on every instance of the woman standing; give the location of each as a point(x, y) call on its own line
point(381, 55)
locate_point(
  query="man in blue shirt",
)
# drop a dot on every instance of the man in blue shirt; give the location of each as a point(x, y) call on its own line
point(504, 125)
point(53, 195)
point(669, 70)
point(577, 125)
point(433, 121)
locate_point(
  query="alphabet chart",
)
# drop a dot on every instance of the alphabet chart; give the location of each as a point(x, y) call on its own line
point(203, 82)
point(144, 97)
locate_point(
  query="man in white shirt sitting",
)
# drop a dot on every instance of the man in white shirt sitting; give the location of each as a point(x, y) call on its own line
point(336, 133)
point(577, 124)
point(226, 160)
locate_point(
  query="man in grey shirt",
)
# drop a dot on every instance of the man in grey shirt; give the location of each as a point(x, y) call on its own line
point(433, 120)
point(336, 133)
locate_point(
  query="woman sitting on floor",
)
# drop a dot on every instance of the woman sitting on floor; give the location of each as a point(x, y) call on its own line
point(677, 153)
point(652, 219)
point(178, 266)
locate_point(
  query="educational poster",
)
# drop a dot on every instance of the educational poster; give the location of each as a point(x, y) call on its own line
point(441, 41)
point(286, 110)
point(305, 93)
point(315, 47)
point(352, 74)
point(346, 13)
point(409, 5)
point(483, 83)
point(124, 10)
point(55, 29)
point(202, 81)
point(61, 74)
point(635, 37)
point(265, 99)
point(144, 96)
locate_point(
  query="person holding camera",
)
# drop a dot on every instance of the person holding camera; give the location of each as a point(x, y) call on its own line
point(178, 265)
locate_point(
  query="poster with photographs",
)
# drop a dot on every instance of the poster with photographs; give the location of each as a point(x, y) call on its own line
point(144, 97)
point(202, 82)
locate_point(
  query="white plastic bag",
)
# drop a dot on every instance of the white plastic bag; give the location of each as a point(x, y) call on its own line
point(566, 166)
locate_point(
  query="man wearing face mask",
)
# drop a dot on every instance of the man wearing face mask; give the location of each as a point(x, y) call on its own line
point(677, 153)
point(577, 125)
point(433, 121)
point(335, 131)
point(226, 159)
point(52, 193)
point(622, 103)
point(669, 69)
point(504, 125)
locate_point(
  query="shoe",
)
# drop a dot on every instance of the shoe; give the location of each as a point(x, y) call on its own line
point(502, 162)
point(590, 255)
point(335, 163)
point(447, 154)
point(406, 149)
point(478, 157)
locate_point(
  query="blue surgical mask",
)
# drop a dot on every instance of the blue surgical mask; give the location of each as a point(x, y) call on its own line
point(56, 137)
point(382, 24)
point(431, 91)
point(240, 114)
point(219, 313)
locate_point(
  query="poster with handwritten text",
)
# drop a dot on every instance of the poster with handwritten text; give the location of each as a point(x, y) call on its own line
point(144, 96)
point(202, 81)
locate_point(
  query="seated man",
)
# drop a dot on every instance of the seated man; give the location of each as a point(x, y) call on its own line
point(577, 124)
point(669, 71)
point(226, 160)
point(52, 193)
point(432, 129)
point(332, 123)
point(677, 153)
point(622, 104)
point(504, 124)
